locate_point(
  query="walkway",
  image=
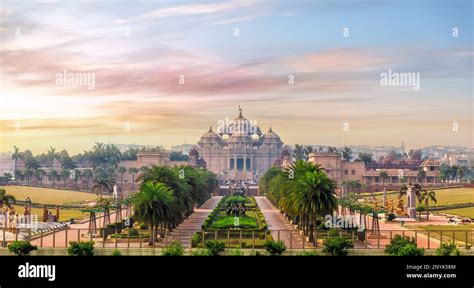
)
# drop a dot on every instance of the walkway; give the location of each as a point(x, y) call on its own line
point(79, 231)
point(183, 233)
point(276, 221)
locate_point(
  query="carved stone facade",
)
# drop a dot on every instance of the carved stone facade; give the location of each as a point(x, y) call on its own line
point(239, 150)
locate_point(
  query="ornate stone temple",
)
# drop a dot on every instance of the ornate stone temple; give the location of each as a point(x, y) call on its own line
point(239, 150)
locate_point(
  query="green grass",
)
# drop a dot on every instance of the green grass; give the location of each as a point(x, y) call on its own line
point(64, 214)
point(445, 196)
point(465, 212)
point(48, 195)
point(223, 221)
point(447, 231)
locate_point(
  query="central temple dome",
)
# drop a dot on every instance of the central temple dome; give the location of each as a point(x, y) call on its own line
point(240, 127)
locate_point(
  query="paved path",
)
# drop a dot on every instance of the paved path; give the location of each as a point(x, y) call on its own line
point(79, 231)
point(183, 233)
point(276, 221)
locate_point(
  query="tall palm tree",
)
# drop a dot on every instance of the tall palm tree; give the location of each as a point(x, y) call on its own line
point(53, 174)
point(315, 196)
point(347, 154)
point(133, 171)
point(103, 184)
point(6, 198)
point(299, 152)
point(52, 155)
point(383, 174)
point(88, 174)
point(28, 174)
point(422, 175)
point(39, 175)
point(151, 205)
point(16, 155)
point(77, 176)
point(416, 188)
point(18, 175)
point(121, 170)
point(428, 196)
point(65, 175)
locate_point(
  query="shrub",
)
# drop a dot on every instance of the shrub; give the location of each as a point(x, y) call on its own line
point(116, 252)
point(275, 248)
point(448, 250)
point(337, 246)
point(307, 253)
point(390, 217)
point(333, 232)
point(411, 250)
point(403, 246)
point(215, 247)
point(174, 249)
point(236, 252)
point(133, 232)
point(200, 252)
point(81, 248)
point(21, 248)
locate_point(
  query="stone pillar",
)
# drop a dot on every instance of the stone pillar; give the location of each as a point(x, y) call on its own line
point(411, 203)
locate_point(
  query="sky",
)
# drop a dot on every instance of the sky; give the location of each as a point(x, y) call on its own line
point(161, 72)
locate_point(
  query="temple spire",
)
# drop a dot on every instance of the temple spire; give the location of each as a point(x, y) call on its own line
point(240, 111)
point(210, 128)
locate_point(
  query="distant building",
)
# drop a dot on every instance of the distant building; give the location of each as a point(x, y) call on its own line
point(7, 164)
point(337, 168)
point(185, 148)
point(456, 160)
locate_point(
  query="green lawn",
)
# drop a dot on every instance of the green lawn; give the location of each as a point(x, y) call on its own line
point(223, 221)
point(446, 196)
point(48, 195)
point(64, 214)
point(466, 212)
point(447, 231)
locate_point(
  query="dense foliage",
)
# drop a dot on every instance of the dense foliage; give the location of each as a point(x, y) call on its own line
point(403, 246)
point(168, 195)
point(21, 248)
point(304, 192)
point(81, 248)
point(337, 246)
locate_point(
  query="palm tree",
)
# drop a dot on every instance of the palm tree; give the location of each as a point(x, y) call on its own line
point(17, 155)
point(416, 188)
point(133, 171)
point(422, 175)
point(28, 174)
point(88, 174)
point(299, 152)
point(6, 198)
point(53, 174)
point(121, 170)
point(428, 196)
point(39, 175)
point(77, 176)
point(65, 174)
point(102, 184)
point(18, 175)
point(52, 155)
point(151, 205)
point(315, 195)
point(347, 154)
point(383, 174)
